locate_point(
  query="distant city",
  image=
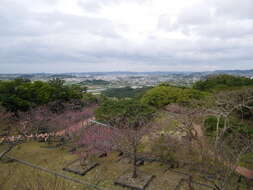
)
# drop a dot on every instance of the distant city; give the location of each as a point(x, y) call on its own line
point(100, 81)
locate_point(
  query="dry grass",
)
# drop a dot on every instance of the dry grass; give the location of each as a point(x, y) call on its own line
point(18, 176)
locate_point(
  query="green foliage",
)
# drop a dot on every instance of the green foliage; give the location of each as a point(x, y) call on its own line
point(210, 124)
point(243, 129)
point(124, 112)
point(220, 82)
point(95, 82)
point(126, 92)
point(21, 94)
point(90, 98)
point(161, 149)
point(247, 160)
point(163, 95)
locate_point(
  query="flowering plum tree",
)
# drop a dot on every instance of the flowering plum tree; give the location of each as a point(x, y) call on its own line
point(130, 122)
point(97, 139)
point(43, 120)
point(6, 120)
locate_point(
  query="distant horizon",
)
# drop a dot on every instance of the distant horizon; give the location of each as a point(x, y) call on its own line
point(125, 71)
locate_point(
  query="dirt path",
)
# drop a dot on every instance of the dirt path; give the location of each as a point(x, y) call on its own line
point(241, 170)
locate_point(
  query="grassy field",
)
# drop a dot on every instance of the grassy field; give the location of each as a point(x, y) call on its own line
point(14, 175)
point(17, 176)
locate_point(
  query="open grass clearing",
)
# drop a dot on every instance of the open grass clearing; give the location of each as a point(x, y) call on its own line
point(55, 159)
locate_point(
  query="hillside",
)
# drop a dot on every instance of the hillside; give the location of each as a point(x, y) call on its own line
point(185, 136)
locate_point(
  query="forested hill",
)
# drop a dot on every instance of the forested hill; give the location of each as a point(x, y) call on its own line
point(126, 92)
point(222, 82)
point(23, 94)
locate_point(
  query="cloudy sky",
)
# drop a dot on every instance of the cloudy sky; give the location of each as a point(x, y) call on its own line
point(125, 35)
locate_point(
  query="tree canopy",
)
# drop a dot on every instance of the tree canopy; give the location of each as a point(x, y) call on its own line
point(221, 82)
point(121, 112)
point(163, 95)
point(126, 92)
point(22, 94)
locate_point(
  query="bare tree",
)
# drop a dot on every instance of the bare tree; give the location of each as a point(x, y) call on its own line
point(129, 121)
point(192, 145)
point(229, 145)
point(104, 138)
point(42, 120)
point(219, 157)
point(228, 103)
point(7, 120)
point(215, 159)
point(129, 138)
point(95, 139)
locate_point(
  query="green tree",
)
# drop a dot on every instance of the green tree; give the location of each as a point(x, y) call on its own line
point(124, 111)
point(131, 118)
point(126, 92)
point(221, 82)
point(21, 94)
point(163, 95)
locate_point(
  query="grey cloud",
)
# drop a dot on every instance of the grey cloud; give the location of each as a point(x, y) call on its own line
point(215, 37)
point(210, 19)
point(228, 29)
point(18, 20)
point(95, 5)
point(200, 14)
point(235, 9)
point(91, 5)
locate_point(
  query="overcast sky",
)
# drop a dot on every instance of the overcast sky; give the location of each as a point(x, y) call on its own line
point(125, 35)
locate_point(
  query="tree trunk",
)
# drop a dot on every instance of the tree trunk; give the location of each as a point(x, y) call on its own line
point(190, 187)
point(190, 183)
point(134, 164)
point(217, 131)
point(248, 186)
point(238, 183)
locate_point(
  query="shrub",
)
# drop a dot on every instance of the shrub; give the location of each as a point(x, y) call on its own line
point(163, 95)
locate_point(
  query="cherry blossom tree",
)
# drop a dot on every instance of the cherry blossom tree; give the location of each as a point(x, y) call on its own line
point(130, 121)
point(96, 139)
point(43, 120)
point(6, 124)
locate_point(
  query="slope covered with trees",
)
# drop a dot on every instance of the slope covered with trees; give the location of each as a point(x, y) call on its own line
point(163, 95)
point(222, 82)
point(204, 133)
point(126, 92)
point(22, 94)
